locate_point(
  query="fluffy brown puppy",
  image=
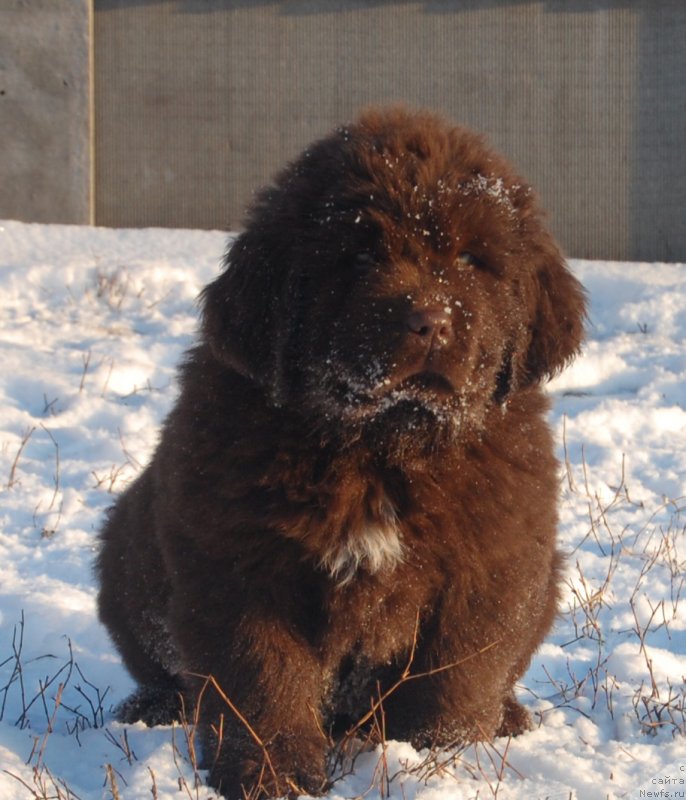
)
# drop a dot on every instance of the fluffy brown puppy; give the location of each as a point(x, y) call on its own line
point(358, 466)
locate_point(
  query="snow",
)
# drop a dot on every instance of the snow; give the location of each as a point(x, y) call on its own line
point(93, 324)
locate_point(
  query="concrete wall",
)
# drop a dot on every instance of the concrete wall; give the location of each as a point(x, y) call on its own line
point(45, 110)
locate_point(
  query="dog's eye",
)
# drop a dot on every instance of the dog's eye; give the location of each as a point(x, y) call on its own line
point(467, 259)
point(363, 262)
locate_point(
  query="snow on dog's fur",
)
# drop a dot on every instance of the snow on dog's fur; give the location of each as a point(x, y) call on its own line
point(359, 446)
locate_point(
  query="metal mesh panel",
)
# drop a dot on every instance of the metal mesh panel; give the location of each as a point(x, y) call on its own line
point(199, 102)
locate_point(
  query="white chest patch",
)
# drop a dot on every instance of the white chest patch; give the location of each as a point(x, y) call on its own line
point(377, 547)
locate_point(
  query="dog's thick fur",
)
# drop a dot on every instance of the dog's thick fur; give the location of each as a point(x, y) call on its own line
point(358, 455)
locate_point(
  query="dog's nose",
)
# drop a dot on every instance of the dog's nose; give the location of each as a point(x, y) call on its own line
point(432, 324)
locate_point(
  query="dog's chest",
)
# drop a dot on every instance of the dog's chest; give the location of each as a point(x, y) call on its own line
point(373, 547)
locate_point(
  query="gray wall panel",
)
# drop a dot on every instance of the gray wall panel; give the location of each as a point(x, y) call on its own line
point(657, 162)
point(45, 163)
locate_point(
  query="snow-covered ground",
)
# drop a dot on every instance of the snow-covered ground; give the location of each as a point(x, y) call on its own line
point(93, 322)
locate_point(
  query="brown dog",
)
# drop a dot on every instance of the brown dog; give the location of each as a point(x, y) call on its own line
point(358, 470)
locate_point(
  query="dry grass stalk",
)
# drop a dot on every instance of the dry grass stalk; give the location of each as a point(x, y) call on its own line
point(12, 480)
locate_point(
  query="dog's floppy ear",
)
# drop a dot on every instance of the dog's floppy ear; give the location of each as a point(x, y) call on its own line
point(243, 309)
point(557, 314)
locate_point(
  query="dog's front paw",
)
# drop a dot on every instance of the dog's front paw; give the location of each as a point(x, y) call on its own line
point(263, 783)
point(277, 772)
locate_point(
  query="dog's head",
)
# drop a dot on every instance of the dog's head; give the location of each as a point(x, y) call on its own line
point(397, 270)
